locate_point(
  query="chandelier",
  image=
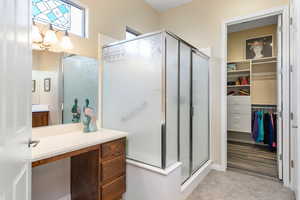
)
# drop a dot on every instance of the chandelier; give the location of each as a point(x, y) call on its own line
point(44, 41)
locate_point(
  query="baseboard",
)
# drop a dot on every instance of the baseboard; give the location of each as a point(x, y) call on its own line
point(190, 185)
point(218, 167)
point(67, 197)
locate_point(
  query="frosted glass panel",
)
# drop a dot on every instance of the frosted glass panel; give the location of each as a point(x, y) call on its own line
point(185, 85)
point(132, 88)
point(201, 111)
point(80, 82)
point(172, 101)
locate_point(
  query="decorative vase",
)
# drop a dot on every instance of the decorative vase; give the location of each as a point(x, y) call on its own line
point(89, 119)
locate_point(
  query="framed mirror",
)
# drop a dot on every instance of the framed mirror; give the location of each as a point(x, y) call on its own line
point(61, 85)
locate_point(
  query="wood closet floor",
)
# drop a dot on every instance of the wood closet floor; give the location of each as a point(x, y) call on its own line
point(252, 158)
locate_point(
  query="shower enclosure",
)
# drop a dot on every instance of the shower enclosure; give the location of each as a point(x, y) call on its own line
point(156, 87)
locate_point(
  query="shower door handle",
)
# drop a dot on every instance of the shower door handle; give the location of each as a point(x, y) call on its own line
point(294, 126)
point(164, 143)
point(163, 128)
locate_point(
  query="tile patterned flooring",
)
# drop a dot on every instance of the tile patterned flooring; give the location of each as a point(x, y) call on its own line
point(233, 185)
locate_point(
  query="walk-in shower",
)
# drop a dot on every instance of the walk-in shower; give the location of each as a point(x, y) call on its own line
point(156, 87)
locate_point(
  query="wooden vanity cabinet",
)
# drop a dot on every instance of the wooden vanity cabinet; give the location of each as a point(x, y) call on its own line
point(99, 174)
point(40, 119)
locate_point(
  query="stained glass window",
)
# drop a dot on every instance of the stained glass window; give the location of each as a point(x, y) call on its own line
point(62, 14)
point(53, 12)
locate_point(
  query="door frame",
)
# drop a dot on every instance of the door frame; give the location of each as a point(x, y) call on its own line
point(295, 72)
point(284, 11)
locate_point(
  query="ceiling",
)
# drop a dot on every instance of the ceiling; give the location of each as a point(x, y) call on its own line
point(253, 24)
point(163, 5)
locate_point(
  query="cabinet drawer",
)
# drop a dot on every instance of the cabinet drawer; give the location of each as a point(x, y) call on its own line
point(113, 149)
point(239, 122)
point(239, 109)
point(113, 168)
point(114, 190)
point(241, 100)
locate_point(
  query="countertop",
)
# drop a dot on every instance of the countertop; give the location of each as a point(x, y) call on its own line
point(40, 108)
point(62, 139)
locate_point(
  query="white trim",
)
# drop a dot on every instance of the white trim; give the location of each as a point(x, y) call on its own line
point(164, 172)
point(191, 184)
point(287, 179)
point(295, 62)
point(86, 20)
point(270, 12)
point(218, 167)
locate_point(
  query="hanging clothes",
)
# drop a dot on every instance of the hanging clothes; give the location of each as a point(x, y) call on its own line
point(261, 132)
point(254, 126)
point(267, 121)
point(271, 125)
point(275, 130)
point(264, 128)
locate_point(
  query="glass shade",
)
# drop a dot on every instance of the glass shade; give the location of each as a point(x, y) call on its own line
point(36, 35)
point(66, 43)
point(50, 38)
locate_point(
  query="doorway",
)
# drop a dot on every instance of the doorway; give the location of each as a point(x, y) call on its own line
point(256, 86)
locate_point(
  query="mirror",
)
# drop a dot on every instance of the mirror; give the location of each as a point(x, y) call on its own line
point(61, 83)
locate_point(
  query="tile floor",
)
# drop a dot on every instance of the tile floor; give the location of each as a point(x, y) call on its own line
point(233, 185)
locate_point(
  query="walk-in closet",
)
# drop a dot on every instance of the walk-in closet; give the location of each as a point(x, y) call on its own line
point(254, 51)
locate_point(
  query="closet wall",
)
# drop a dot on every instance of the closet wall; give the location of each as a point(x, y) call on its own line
point(264, 81)
point(236, 40)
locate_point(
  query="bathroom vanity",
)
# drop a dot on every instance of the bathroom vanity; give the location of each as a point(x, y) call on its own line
point(97, 160)
point(40, 115)
point(40, 119)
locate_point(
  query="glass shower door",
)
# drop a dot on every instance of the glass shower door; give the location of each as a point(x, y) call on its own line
point(185, 114)
point(200, 120)
point(171, 100)
point(132, 96)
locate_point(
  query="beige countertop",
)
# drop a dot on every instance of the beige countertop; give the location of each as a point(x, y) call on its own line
point(61, 139)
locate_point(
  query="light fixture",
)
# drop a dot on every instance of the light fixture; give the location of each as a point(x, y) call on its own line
point(36, 34)
point(66, 42)
point(50, 37)
point(49, 40)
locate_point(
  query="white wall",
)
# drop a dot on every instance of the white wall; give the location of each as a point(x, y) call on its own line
point(111, 17)
point(199, 22)
point(148, 183)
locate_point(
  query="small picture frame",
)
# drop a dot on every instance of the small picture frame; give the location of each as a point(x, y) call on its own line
point(33, 86)
point(47, 84)
point(259, 47)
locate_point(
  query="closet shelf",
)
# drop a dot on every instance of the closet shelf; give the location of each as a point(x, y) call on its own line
point(272, 74)
point(266, 62)
point(254, 61)
point(239, 71)
point(238, 61)
point(237, 86)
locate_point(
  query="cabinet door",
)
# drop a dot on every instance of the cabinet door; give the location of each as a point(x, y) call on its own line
point(239, 122)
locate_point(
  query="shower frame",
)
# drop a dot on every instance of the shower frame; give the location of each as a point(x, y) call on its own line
point(164, 94)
